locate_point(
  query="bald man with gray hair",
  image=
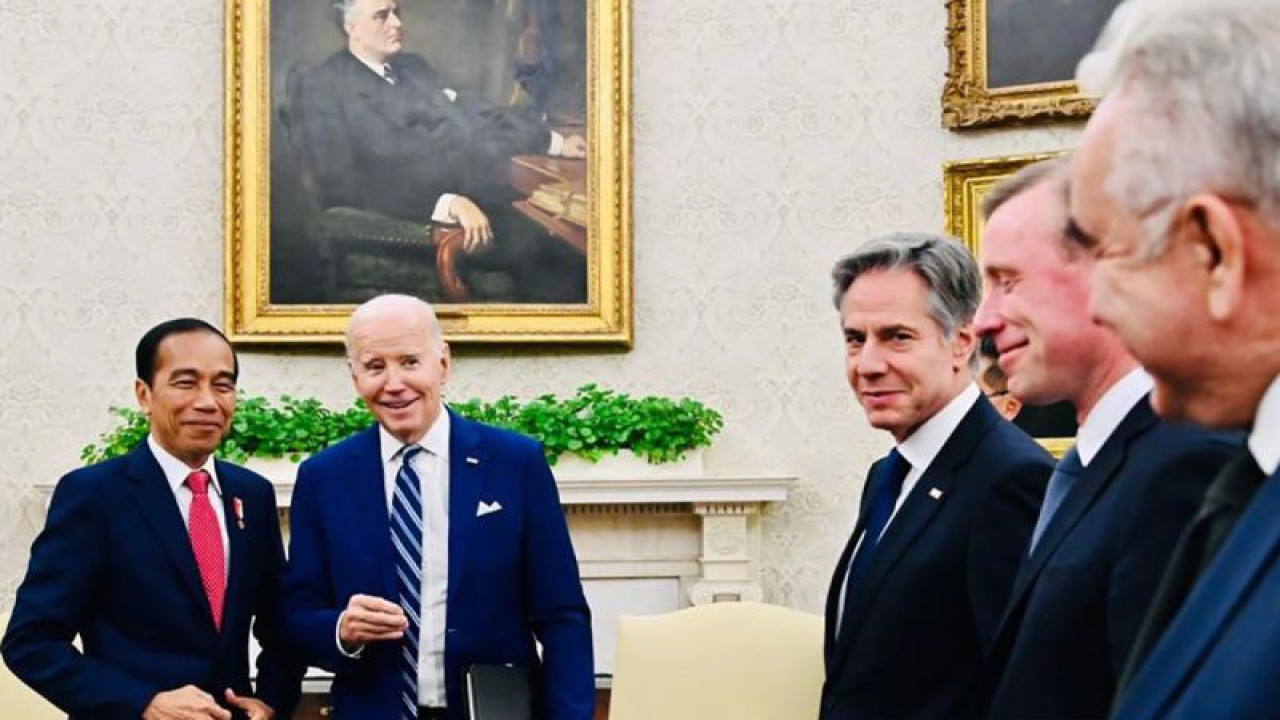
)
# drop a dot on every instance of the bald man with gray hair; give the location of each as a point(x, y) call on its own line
point(430, 543)
point(1176, 193)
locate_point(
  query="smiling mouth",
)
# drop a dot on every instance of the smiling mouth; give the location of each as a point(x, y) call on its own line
point(397, 404)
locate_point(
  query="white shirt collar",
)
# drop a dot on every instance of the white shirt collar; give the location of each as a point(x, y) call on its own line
point(923, 445)
point(436, 441)
point(1264, 438)
point(1111, 409)
point(176, 472)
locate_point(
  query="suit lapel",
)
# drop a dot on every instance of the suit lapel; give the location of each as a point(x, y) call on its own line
point(1089, 487)
point(237, 537)
point(928, 496)
point(369, 497)
point(154, 499)
point(465, 480)
point(1248, 551)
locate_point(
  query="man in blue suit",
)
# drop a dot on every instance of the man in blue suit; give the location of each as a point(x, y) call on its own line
point(1176, 193)
point(916, 595)
point(160, 561)
point(429, 543)
point(1120, 497)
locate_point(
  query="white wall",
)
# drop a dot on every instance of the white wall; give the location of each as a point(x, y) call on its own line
point(771, 136)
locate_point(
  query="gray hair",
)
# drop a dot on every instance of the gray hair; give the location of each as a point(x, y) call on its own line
point(941, 261)
point(391, 303)
point(342, 10)
point(1204, 105)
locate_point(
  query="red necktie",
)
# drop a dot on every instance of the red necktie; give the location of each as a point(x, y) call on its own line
point(206, 542)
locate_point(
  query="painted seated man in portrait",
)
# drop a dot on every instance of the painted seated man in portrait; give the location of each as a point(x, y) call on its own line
point(386, 133)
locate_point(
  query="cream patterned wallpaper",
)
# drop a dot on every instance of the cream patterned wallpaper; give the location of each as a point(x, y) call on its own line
point(770, 137)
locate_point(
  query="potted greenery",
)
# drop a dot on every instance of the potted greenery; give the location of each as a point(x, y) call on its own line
point(592, 424)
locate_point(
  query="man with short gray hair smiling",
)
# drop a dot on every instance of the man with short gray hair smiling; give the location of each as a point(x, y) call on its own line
point(429, 543)
point(945, 517)
point(1176, 194)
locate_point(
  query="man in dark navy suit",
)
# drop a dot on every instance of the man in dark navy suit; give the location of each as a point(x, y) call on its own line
point(429, 543)
point(161, 561)
point(1120, 497)
point(916, 595)
point(386, 133)
point(1176, 194)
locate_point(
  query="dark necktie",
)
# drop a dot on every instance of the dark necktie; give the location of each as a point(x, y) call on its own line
point(206, 544)
point(406, 537)
point(886, 485)
point(389, 74)
point(1063, 479)
point(1224, 503)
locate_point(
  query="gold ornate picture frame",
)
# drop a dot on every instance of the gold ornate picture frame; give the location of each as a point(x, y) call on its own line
point(965, 184)
point(592, 218)
point(1013, 61)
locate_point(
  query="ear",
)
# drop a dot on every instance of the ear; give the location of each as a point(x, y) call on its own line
point(446, 362)
point(963, 345)
point(143, 392)
point(1012, 406)
point(1219, 249)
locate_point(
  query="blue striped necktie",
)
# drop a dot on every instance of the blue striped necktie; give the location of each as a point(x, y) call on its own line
point(1063, 479)
point(406, 536)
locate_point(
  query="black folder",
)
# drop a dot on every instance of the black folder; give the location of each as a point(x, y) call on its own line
point(497, 692)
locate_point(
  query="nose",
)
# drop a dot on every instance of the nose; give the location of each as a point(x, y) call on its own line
point(205, 397)
point(871, 360)
point(987, 320)
point(394, 382)
point(393, 20)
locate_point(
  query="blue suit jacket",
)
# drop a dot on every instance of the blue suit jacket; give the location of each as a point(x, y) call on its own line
point(512, 573)
point(1219, 656)
point(114, 565)
point(925, 614)
point(1080, 599)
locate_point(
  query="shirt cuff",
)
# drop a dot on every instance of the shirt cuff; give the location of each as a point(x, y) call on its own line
point(557, 144)
point(442, 213)
point(337, 640)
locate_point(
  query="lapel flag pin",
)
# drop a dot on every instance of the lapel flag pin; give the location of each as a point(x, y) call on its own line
point(472, 461)
point(238, 507)
point(935, 493)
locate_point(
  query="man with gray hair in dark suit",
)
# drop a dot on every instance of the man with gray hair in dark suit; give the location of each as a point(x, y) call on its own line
point(946, 516)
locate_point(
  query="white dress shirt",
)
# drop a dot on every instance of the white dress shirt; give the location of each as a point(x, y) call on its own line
point(175, 472)
point(1264, 438)
point(1111, 409)
point(919, 450)
point(432, 468)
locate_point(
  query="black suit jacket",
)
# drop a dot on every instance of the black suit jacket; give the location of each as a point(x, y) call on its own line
point(395, 149)
point(925, 615)
point(114, 565)
point(1080, 598)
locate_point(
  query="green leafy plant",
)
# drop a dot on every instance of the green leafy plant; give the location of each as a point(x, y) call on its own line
point(593, 422)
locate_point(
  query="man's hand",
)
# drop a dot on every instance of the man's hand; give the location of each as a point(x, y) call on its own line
point(574, 147)
point(475, 224)
point(370, 619)
point(253, 707)
point(186, 703)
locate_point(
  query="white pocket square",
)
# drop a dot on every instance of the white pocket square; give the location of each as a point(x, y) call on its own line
point(485, 508)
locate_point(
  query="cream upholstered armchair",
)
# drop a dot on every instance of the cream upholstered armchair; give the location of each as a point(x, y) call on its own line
point(745, 661)
point(16, 699)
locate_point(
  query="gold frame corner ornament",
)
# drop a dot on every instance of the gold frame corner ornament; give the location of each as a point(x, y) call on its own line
point(968, 102)
point(605, 319)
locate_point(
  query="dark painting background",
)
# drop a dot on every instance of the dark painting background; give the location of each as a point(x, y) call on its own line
point(1040, 41)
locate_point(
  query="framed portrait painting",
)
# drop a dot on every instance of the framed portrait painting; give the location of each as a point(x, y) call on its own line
point(966, 183)
point(474, 154)
point(1014, 61)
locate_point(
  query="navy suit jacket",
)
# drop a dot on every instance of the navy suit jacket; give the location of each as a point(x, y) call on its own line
point(1080, 598)
point(924, 616)
point(394, 149)
point(513, 576)
point(114, 565)
point(1219, 656)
